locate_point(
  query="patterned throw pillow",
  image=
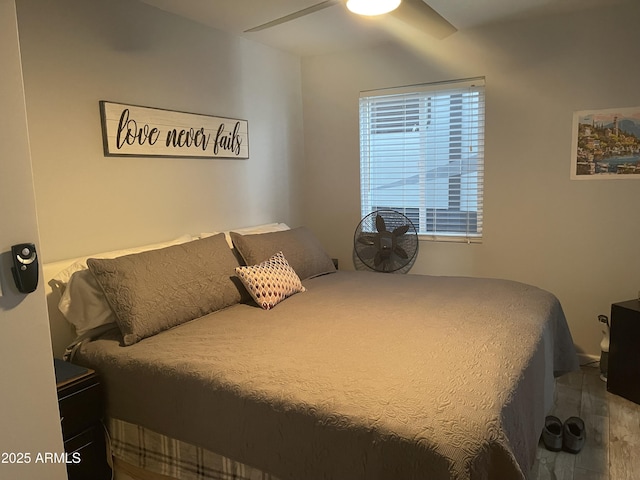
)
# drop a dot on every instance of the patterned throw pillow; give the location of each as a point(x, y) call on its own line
point(271, 281)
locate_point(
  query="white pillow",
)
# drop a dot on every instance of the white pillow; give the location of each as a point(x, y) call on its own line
point(62, 277)
point(265, 228)
point(83, 303)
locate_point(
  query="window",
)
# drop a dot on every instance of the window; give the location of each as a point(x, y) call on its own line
point(422, 154)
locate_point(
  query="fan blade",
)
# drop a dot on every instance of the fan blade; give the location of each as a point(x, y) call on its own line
point(399, 231)
point(294, 15)
point(367, 240)
point(401, 252)
point(424, 18)
point(367, 253)
point(380, 225)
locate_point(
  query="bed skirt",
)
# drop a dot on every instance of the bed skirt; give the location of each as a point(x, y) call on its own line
point(141, 448)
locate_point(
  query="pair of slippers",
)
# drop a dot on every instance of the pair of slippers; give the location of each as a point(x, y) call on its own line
point(569, 436)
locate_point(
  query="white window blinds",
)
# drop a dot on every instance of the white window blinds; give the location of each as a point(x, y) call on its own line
point(422, 154)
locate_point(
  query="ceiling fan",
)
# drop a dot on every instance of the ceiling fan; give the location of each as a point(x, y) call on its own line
point(412, 12)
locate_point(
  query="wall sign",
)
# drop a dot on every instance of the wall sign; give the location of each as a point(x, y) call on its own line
point(131, 130)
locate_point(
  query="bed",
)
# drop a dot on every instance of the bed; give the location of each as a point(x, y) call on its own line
point(347, 375)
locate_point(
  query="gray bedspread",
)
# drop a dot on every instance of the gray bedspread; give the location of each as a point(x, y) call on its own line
point(363, 376)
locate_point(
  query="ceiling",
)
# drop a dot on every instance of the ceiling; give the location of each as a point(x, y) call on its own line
point(335, 28)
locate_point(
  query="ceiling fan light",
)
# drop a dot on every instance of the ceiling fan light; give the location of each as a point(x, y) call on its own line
point(372, 7)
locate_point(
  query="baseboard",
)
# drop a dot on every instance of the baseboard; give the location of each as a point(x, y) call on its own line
point(588, 359)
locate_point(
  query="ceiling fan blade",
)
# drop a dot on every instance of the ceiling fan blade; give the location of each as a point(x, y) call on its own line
point(424, 18)
point(294, 15)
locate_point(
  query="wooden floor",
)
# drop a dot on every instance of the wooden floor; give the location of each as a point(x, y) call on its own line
point(612, 448)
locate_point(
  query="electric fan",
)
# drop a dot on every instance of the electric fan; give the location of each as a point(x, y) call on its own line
point(385, 241)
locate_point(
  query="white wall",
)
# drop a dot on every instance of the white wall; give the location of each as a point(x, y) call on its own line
point(578, 239)
point(78, 52)
point(29, 417)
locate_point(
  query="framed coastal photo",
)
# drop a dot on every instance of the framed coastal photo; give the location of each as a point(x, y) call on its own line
point(606, 144)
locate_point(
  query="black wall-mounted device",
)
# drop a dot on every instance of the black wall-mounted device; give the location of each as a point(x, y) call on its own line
point(25, 267)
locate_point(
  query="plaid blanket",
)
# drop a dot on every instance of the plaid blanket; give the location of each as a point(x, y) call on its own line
point(160, 454)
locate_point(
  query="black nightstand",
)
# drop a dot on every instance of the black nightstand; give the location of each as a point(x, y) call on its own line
point(81, 405)
point(623, 375)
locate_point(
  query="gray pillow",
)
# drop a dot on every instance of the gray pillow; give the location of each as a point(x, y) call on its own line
point(301, 248)
point(155, 290)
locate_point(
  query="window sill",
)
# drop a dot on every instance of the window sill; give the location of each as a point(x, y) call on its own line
point(449, 238)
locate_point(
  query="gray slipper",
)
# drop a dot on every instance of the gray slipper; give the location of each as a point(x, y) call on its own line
point(552, 433)
point(573, 435)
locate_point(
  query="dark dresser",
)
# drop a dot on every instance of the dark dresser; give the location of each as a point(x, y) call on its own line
point(623, 375)
point(81, 404)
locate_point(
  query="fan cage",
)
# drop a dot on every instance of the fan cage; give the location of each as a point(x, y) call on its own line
point(369, 256)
